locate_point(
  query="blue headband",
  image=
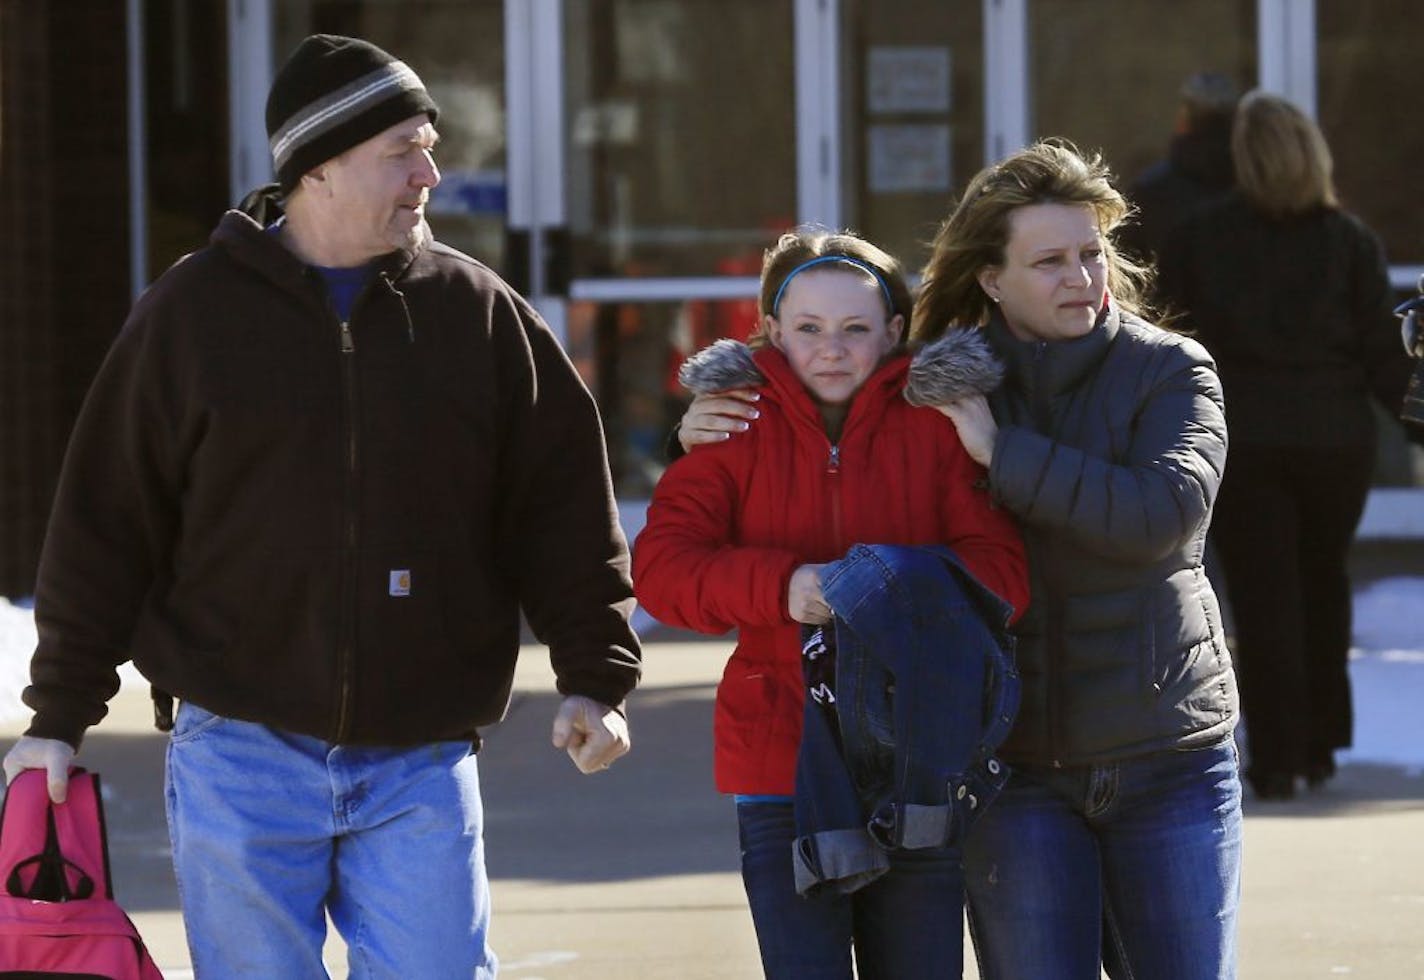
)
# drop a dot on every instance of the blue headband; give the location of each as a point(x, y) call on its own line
point(822, 260)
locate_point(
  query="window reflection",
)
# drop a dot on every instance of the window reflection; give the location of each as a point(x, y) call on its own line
point(1368, 58)
point(682, 139)
point(187, 139)
point(1097, 81)
point(628, 354)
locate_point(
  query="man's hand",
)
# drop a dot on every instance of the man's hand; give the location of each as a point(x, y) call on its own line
point(713, 418)
point(594, 734)
point(50, 754)
point(976, 426)
point(804, 599)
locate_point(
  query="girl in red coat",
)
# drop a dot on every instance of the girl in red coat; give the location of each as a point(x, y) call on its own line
point(735, 539)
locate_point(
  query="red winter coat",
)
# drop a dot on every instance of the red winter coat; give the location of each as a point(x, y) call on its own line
point(729, 523)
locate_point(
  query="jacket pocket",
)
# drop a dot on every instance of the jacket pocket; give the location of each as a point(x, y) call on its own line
point(1177, 639)
point(289, 628)
point(417, 612)
point(1147, 644)
point(400, 600)
point(754, 706)
point(746, 693)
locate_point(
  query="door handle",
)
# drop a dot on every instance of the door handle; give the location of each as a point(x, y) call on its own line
point(558, 260)
point(516, 259)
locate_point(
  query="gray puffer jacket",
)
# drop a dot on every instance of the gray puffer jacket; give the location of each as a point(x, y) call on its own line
point(1110, 452)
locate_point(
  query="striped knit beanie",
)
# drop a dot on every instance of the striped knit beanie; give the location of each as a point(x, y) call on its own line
point(333, 93)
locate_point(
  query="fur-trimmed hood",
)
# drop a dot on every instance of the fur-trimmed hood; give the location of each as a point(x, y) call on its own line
point(958, 364)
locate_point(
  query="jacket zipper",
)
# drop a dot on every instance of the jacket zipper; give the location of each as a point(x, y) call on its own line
point(833, 471)
point(1053, 616)
point(405, 309)
point(346, 654)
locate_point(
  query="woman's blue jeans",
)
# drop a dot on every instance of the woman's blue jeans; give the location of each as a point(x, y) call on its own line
point(1135, 866)
point(272, 831)
point(897, 923)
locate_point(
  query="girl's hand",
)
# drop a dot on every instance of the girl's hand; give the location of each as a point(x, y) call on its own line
point(804, 598)
point(713, 418)
point(976, 426)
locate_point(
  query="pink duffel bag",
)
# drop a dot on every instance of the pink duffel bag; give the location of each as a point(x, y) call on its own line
point(58, 917)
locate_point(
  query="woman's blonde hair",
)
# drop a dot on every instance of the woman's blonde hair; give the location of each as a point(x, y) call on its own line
point(809, 242)
point(976, 233)
point(1282, 161)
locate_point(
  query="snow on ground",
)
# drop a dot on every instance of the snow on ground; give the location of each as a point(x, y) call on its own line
point(1387, 674)
point(17, 642)
point(1386, 669)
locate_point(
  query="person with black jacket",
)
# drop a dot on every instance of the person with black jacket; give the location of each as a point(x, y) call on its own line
point(1291, 294)
point(324, 465)
point(1196, 169)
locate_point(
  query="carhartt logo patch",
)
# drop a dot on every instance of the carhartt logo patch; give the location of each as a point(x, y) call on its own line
point(400, 581)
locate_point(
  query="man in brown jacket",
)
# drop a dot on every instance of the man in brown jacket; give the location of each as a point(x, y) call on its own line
point(323, 468)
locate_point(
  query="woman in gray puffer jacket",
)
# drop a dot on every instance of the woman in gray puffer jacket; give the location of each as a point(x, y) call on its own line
point(1118, 839)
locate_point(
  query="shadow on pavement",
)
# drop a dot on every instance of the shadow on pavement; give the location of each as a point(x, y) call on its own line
point(130, 769)
point(1357, 789)
point(654, 813)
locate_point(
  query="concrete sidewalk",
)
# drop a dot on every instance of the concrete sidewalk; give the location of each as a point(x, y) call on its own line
point(633, 873)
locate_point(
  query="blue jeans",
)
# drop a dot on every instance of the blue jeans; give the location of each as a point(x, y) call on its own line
point(272, 831)
point(896, 923)
point(1135, 865)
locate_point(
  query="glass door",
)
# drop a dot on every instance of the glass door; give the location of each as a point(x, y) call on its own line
point(913, 110)
point(1124, 104)
point(653, 156)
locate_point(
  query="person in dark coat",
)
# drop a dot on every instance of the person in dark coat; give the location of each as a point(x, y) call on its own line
point(1291, 294)
point(325, 465)
point(1196, 169)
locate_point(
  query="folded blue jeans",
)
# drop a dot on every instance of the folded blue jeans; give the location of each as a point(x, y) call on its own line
point(272, 831)
point(899, 755)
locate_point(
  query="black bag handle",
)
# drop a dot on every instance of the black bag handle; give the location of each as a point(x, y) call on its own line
point(51, 882)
